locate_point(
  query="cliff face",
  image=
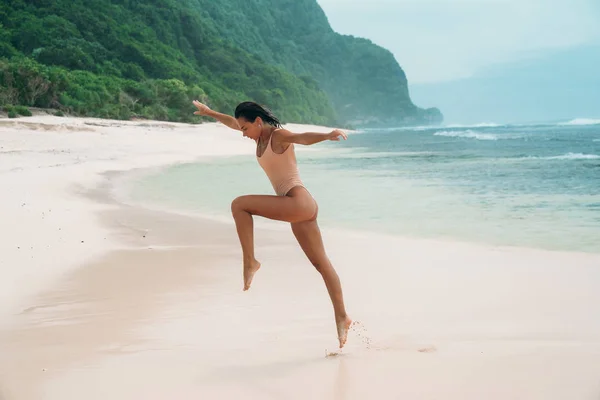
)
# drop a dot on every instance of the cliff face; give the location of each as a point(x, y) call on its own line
point(149, 58)
point(363, 81)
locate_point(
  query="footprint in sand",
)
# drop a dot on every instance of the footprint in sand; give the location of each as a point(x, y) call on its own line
point(430, 349)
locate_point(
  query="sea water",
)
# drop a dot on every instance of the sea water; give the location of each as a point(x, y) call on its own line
point(535, 185)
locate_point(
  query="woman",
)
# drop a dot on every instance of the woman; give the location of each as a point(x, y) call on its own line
point(292, 203)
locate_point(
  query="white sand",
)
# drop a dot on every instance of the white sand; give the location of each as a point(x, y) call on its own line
point(100, 300)
point(46, 160)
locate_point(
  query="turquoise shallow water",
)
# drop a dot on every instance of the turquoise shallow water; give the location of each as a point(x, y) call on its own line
point(525, 185)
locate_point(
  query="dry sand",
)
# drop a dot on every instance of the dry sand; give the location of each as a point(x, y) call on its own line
point(105, 300)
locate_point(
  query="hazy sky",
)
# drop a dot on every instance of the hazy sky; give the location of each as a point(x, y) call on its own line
point(438, 40)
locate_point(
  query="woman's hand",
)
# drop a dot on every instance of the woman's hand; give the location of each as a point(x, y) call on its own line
point(336, 134)
point(225, 119)
point(203, 109)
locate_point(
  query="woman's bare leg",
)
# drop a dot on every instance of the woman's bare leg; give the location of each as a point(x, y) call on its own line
point(245, 229)
point(296, 207)
point(309, 237)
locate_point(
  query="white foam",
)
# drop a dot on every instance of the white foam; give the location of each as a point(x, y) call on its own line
point(568, 156)
point(576, 156)
point(470, 134)
point(582, 121)
point(480, 125)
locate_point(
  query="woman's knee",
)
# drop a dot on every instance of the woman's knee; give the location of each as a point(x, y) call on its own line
point(237, 205)
point(318, 265)
point(321, 265)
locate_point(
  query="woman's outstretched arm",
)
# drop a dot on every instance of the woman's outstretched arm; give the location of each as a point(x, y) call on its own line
point(225, 119)
point(308, 138)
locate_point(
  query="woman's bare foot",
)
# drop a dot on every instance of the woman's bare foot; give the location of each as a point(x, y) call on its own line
point(343, 325)
point(250, 269)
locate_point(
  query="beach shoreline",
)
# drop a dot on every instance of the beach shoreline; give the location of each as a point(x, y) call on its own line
point(106, 289)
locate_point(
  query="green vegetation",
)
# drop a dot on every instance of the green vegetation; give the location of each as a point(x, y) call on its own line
point(364, 81)
point(133, 58)
point(14, 111)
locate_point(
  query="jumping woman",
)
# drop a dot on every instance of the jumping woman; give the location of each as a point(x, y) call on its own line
point(292, 203)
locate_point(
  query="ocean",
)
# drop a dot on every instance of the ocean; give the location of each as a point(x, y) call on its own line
point(531, 185)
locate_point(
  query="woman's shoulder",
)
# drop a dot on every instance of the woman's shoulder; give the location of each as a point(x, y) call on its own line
point(282, 134)
point(281, 138)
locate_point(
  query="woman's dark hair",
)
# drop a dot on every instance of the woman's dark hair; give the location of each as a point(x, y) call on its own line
point(250, 110)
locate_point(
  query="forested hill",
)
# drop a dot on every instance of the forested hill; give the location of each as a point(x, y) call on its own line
point(126, 58)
